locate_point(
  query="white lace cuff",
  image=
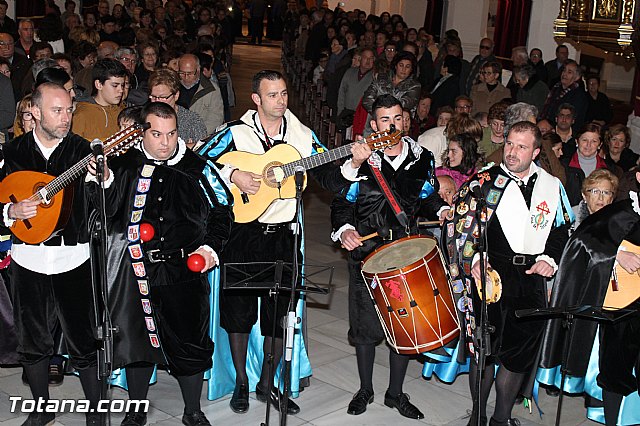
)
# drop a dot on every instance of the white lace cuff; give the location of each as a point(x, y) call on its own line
point(337, 236)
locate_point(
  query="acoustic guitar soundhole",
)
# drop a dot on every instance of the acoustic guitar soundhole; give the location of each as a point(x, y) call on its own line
point(45, 203)
point(273, 175)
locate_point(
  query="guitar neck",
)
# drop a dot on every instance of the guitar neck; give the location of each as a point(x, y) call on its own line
point(317, 160)
point(60, 182)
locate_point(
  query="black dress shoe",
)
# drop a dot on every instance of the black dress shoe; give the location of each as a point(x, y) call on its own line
point(39, 419)
point(401, 402)
point(275, 395)
point(134, 419)
point(55, 374)
point(510, 422)
point(552, 391)
point(240, 399)
point(197, 418)
point(359, 402)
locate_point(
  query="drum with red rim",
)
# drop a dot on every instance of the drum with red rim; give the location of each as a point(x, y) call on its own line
point(411, 289)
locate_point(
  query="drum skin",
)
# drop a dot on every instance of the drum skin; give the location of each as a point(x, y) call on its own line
point(412, 294)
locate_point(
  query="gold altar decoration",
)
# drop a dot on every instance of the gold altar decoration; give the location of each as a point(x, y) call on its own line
point(606, 24)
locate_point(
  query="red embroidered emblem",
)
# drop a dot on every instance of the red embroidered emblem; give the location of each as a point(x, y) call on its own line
point(483, 177)
point(395, 290)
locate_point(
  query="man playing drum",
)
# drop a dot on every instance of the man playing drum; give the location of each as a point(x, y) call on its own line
point(364, 209)
point(527, 219)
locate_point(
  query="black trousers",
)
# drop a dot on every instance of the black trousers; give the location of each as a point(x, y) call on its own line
point(239, 307)
point(40, 300)
point(364, 324)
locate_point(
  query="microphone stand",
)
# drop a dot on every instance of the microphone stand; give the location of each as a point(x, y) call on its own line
point(104, 329)
point(484, 336)
point(291, 319)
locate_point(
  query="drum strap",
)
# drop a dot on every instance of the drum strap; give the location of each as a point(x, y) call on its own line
point(390, 197)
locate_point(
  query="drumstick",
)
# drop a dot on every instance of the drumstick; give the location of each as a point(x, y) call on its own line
point(366, 237)
point(429, 223)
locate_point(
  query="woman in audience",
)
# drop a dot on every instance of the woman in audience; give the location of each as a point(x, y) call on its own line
point(148, 53)
point(532, 90)
point(399, 82)
point(24, 121)
point(436, 139)
point(422, 120)
point(598, 190)
point(617, 139)
point(493, 136)
point(447, 88)
point(460, 160)
point(490, 90)
point(585, 161)
point(443, 116)
point(83, 54)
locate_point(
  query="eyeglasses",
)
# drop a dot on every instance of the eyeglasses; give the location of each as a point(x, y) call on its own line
point(6, 43)
point(463, 106)
point(600, 192)
point(129, 60)
point(390, 49)
point(26, 115)
point(485, 47)
point(186, 73)
point(486, 72)
point(496, 124)
point(618, 139)
point(161, 98)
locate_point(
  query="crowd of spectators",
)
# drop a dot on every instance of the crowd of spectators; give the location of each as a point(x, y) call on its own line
point(450, 97)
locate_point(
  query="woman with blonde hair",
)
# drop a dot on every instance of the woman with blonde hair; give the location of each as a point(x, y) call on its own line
point(598, 190)
point(24, 121)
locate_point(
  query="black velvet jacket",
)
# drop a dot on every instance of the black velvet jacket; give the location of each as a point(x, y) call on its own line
point(22, 153)
point(188, 207)
point(364, 206)
point(582, 279)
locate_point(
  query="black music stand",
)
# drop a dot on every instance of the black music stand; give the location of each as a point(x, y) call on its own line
point(103, 331)
point(269, 276)
point(568, 314)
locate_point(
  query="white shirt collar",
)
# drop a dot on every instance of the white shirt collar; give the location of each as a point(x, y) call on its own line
point(278, 137)
point(397, 162)
point(45, 151)
point(173, 159)
point(533, 168)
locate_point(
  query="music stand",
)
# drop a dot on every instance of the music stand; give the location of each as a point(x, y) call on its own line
point(257, 280)
point(586, 312)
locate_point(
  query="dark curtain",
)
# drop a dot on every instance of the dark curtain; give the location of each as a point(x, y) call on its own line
point(30, 9)
point(512, 26)
point(433, 17)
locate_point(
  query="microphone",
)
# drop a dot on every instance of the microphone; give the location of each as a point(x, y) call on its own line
point(299, 177)
point(97, 149)
point(474, 187)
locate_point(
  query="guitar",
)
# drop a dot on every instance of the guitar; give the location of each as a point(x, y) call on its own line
point(279, 164)
point(55, 207)
point(624, 288)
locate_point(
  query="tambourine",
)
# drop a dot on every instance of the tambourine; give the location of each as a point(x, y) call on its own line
point(494, 286)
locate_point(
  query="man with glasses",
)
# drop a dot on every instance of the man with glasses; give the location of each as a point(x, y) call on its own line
point(98, 116)
point(164, 86)
point(19, 63)
point(490, 90)
point(485, 55)
point(138, 90)
point(463, 104)
point(198, 94)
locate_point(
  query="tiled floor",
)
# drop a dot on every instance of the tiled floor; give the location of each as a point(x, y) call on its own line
point(335, 376)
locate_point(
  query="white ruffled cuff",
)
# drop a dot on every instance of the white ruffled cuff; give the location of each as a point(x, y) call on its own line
point(336, 236)
point(549, 260)
point(5, 215)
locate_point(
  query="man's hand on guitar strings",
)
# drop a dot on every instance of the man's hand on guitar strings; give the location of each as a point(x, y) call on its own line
point(361, 152)
point(25, 209)
point(246, 182)
point(91, 167)
point(629, 261)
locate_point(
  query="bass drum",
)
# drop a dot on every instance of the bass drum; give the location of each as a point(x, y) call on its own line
point(411, 291)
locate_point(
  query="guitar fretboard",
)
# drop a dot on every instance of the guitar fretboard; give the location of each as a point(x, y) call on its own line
point(115, 144)
point(317, 160)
